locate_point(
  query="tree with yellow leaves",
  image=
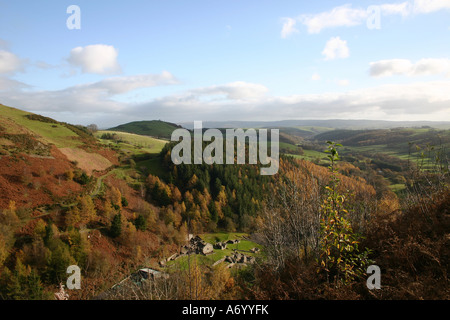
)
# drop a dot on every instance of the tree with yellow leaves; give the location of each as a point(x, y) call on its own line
point(340, 257)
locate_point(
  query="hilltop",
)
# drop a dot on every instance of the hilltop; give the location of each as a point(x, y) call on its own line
point(153, 128)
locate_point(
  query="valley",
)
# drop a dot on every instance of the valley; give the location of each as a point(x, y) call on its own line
point(112, 202)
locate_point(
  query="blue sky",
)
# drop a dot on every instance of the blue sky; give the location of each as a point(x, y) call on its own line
point(227, 60)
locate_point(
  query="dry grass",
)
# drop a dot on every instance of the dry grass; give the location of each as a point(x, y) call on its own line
point(86, 161)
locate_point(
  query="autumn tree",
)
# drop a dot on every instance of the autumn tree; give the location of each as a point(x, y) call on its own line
point(9, 222)
point(83, 213)
point(340, 257)
point(116, 198)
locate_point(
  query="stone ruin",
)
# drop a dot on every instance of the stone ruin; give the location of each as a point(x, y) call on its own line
point(220, 245)
point(238, 257)
point(196, 246)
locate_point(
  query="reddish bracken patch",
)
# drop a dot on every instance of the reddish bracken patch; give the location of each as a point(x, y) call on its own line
point(33, 181)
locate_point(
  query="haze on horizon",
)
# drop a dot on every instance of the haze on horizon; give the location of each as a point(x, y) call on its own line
point(246, 60)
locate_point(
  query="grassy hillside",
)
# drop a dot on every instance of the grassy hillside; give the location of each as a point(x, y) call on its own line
point(400, 142)
point(154, 128)
point(144, 150)
point(42, 160)
point(48, 132)
point(398, 137)
point(130, 142)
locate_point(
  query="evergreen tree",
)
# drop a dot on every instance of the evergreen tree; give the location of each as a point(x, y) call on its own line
point(141, 223)
point(116, 226)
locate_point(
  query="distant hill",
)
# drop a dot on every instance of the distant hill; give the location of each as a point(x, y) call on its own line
point(392, 137)
point(154, 128)
point(403, 143)
point(320, 125)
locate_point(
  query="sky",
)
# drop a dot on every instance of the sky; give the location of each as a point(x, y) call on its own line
point(111, 62)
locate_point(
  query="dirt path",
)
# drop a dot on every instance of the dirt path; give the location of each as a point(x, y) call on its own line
point(98, 185)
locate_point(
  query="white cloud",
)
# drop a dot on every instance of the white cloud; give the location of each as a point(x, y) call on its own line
point(288, 27)
point(10, 84)
point(238, 90)
point(338, 17)
point(417, 101)
point(9, 62)
point(431, 67)
point(119, 85)
point(423, 67)
point(98, 59)
point(336, 48)
point(403, 9)
point(84, 98)
point(93, 103)
point(390, 67)
point(315, 77)
point(428, 6)
point(347, 16)
point(343, 82)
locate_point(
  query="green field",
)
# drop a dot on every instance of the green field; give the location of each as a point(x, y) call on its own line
point(397, 187)
point(133, 144)
point(314, 129)
point(55, 133)
point(415, 155)
point(244, 247)
point(288, 146)
point(311, 155)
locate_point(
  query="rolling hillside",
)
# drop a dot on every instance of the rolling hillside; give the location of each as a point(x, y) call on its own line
point(400, 141)
point(133, 144)
point(153, 128)
point(38, 154)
